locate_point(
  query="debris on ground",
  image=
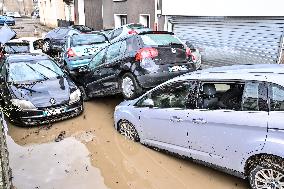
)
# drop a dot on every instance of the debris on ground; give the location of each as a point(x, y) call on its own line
point(60, 136)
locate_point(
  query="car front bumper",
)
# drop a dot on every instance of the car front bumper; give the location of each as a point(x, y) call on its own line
point(49, 115)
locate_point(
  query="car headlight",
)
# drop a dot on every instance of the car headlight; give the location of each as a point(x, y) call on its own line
point(75, 96)
point(23, 104)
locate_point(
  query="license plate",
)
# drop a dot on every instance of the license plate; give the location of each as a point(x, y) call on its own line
point(178, 68)
point(90, 50)
point(54, 111)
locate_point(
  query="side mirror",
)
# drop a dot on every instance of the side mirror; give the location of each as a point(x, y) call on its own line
point(148, 103)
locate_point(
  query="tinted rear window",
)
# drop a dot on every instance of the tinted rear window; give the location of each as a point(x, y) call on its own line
point(160, 39)
point(87, 39)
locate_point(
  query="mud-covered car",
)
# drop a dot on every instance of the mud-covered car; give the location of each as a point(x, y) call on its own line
point(135, 64)
point(34, 90)
point(230, 118)
point(81, 48)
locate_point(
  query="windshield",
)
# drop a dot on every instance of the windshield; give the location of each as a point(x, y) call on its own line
point(33, 71)
point(11, 48)
point(160, 39)
point(87, 39)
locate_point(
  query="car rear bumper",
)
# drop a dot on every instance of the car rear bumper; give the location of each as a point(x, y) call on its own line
point(40, 117)
point(75, 63)
point(152, 80)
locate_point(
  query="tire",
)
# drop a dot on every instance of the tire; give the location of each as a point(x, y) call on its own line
point(46, 47)
point(84, 94)
point(128, 130)
point(129, 86)
point(267, 173)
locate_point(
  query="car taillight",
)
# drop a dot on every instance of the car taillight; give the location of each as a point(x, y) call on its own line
point(132, 32)
point(189, 54)
point(70, 53)
point(146, 53)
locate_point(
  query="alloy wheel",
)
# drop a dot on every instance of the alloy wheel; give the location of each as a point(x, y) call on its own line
point(128, 130)
point(128, 87)
point(46, 46)
point(269, 179)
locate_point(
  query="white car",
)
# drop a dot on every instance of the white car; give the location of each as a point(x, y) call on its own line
point(13, 14)
point(23, 45)
point(230, 118)
point(128, 29)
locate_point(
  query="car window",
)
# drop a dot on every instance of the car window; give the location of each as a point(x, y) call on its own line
point(131, 45)
point(255, 97)
point(160, 39)
point(220, 95)
point(114, 51)
point(276, 95)
point(98, 59)
point(116, 33)
point(176, 95)
point(62, 32)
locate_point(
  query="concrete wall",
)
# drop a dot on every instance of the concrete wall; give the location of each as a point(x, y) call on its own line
point(133, 9)
point(50, 11)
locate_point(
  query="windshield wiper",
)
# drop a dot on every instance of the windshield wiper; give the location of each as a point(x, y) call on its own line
point(44, 76)
point(49, 69)
point(173, 43)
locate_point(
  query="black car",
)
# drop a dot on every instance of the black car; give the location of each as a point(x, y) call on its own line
point(134, 64)
point(34, 90)
point(55, 39)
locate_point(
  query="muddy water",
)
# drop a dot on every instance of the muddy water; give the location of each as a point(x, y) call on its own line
point(122, 164)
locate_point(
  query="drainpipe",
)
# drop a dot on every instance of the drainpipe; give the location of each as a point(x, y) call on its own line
point(156, 16)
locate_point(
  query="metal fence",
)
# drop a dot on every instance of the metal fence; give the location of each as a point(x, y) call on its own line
point(5, 171)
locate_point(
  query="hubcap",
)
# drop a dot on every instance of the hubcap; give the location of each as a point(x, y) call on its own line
point(45, 46)
point(127, 87)
point(269, 179)
point(127, 130)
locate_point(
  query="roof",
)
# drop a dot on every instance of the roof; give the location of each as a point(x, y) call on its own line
point(26, 57)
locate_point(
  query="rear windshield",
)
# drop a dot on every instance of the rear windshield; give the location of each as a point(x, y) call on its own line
point(12, 48)
point(160, 39)
point(87, 39)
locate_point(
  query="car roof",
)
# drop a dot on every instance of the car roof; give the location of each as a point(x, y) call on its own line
point(258, 72)
point(12, 58)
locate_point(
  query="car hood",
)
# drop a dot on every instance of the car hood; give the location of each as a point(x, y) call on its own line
point(44, 93)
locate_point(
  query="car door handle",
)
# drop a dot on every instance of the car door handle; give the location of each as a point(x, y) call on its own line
point(199, 121)
point(176, 119)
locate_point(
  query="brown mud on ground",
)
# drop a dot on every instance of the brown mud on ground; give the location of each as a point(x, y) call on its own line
point(123, 164)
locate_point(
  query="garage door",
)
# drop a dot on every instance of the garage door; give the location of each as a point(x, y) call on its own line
point(232, 40)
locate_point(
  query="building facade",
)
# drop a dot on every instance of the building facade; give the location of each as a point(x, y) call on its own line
point(105, 14)
point(24, 7)
point(52, 10)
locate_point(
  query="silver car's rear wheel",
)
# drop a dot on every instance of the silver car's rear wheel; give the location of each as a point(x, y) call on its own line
point(267, 175)
point(128, 130)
